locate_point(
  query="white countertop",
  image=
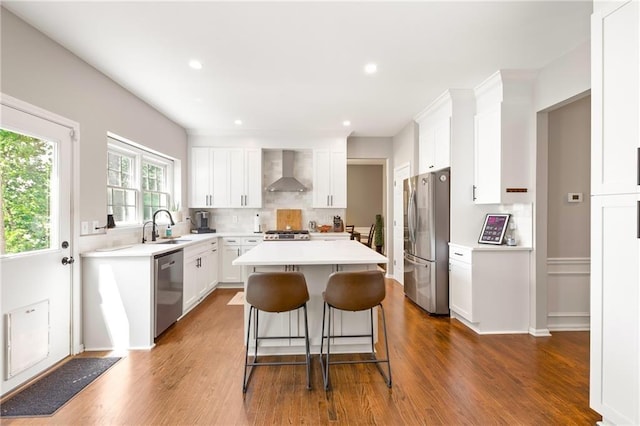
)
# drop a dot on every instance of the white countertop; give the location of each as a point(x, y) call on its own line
point(150, 249)
point(491, 247)
point(325, 252)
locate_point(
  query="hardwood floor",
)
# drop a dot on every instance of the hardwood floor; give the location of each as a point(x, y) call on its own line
point(443, 374)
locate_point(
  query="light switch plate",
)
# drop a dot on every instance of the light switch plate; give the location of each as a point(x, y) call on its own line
point(84, 228)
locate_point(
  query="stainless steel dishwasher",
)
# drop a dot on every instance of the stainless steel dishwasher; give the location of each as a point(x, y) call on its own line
point(168, 289)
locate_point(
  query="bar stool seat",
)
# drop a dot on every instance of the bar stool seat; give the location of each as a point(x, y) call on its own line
point(354, 291)
point(275, 292)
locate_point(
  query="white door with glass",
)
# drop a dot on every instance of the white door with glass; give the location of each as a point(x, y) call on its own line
point(35, 245)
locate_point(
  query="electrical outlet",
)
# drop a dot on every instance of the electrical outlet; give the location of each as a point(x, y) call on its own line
point(84, 228)
point(235, 219)
point(95, 227)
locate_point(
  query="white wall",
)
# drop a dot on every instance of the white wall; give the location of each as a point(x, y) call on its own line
point(563, 79)
point(39, 71)
point(405, 147)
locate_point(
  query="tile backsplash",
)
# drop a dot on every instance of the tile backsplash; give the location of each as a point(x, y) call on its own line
point(232, 220)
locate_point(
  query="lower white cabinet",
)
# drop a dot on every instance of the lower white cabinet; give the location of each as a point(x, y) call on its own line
point(615, 308)
point(232, 248)
point(200, 272)
point(489, 288)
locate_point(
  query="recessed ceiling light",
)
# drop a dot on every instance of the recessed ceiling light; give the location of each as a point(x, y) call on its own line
point(238, 122)
point(196, 65)
point(370, 68)
point(346, 123)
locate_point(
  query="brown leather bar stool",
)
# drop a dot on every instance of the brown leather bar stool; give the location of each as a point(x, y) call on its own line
point(354, 291)
point(275, 292)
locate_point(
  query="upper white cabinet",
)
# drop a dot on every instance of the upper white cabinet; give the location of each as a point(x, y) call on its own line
point(201, 185)
point(329, 178)
point(504, 136)
point(614, 101)
point(226, 177)
point(615, 204)
point(434, 143)
point(245, 177)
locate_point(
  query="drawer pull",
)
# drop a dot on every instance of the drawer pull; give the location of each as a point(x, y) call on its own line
point(457, 254)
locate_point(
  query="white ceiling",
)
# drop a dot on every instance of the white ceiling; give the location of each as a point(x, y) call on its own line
point(298, 66)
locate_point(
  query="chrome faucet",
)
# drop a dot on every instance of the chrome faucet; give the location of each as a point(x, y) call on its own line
point(153, 228)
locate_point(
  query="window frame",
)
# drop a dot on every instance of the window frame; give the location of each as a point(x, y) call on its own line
point(142, 155)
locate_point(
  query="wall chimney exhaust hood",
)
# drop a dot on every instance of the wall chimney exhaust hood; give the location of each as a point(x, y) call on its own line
point(287, 183)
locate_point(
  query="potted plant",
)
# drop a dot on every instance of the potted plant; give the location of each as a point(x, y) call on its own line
point(378, 234)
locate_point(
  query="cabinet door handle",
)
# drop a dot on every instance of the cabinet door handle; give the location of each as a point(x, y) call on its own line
point(328, 201)
point(331, 200)
point(474, 192)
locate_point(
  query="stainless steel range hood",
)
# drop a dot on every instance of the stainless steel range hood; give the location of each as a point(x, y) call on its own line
point(287, 183)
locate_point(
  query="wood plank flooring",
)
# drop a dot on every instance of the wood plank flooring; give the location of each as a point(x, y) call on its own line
point(443, 374)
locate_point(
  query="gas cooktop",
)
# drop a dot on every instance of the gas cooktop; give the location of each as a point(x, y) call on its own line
point(286, 235)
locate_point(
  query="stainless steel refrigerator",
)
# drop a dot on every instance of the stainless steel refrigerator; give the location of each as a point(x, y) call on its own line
point(426, 238)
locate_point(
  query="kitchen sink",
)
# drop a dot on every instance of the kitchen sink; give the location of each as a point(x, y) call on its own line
point(174, 241)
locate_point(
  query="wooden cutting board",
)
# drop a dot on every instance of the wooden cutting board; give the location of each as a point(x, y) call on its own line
point(288, 217)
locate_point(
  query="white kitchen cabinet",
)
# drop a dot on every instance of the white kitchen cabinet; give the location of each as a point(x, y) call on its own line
point(329, 178)
point(226, 177)
point(461, 282)
point(489, 288)
point(210, 183)
point(504, 137)
point(201, 184)
point(615, 205)
point(200, 272)
point(245, 178)
point(434, 140)
point(232, 248)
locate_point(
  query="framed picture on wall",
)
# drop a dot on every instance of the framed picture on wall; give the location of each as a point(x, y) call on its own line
point(494, 228)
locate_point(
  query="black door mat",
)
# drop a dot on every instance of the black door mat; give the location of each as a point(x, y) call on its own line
point(47, 395)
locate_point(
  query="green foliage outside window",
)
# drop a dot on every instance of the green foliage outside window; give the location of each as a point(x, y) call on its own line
point(25, 178)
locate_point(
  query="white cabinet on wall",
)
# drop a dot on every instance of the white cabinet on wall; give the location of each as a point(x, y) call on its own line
point(504, 138)
point(245, 178)
point(201, 183)
point(226, 177)
point(615, 204)
point(329, 178)
point(434, 140)
point(489, 288)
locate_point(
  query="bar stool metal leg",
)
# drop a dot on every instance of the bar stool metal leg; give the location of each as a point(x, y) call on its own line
point(245, 379)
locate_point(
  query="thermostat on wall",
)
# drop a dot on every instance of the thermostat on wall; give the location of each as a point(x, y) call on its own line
point(574, 197)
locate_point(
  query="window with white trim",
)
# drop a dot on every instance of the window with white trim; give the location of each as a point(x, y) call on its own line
point(139, 182)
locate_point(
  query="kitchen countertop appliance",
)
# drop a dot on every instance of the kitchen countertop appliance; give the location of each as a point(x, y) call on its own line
point(202, 223)
point(168, 270)
point(426, 230)
point(288, 235)
point(338, 224)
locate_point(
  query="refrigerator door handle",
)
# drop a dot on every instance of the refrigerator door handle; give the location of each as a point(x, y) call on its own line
point(415, 261)
point(412, 216)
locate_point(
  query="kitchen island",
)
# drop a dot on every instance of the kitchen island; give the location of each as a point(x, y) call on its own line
point(316, 260)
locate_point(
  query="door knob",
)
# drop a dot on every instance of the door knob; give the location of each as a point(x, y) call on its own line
point(67, 260)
